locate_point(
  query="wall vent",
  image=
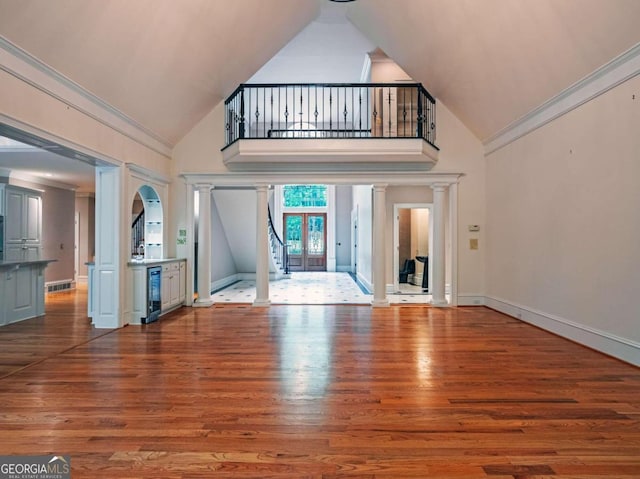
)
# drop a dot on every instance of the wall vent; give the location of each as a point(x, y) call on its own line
point(59, 286)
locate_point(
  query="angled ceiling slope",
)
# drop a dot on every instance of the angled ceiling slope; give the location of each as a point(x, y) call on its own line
point(493, 61)
point(164, 64)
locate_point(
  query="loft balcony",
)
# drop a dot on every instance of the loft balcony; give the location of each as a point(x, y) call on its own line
point(319, 127)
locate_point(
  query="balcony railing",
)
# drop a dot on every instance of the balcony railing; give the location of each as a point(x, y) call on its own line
point(325, 111)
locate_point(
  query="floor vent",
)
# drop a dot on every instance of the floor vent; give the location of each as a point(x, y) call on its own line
point(59, 286)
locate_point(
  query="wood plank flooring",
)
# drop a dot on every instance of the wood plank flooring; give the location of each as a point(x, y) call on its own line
point(321, 392)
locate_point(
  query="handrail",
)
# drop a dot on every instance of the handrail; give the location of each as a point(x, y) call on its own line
point(280, 248)
point(137, 233)
point(330, 111)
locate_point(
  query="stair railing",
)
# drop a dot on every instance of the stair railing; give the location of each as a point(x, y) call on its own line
point(137, 233)
point(278, 247)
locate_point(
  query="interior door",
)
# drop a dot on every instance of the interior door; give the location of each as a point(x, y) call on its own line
point(306, 235)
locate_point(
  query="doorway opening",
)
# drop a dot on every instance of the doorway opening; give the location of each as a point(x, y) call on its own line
point(413, 231)
point(306, 237)
point(146, 225)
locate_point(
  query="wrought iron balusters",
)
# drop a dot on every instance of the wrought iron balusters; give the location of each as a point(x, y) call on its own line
point(351, 110)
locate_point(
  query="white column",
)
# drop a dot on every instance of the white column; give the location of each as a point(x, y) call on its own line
point(438, 260)
point(110, 259)
point(204, 247)
point(379, 250)
point(262, 247)
point(453, 240)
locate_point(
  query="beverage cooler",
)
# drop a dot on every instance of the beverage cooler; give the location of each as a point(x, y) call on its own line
point(154, 294)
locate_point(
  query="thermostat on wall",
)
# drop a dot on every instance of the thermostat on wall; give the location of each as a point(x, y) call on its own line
point(473, 228)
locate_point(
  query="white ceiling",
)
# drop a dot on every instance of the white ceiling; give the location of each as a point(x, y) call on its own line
point(166, 63)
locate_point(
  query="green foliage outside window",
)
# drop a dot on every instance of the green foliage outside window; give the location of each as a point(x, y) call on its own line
point(305, 196)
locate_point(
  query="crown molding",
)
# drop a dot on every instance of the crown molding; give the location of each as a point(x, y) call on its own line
point(38, 180)
point(610, 75)
point(416, 178)
point(27, 68)
point(146, 174)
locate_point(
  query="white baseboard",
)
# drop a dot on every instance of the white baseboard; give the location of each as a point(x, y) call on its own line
point(621, 348)
point(344, 268)
point(471, 300)
point(223, 283)
point(365, 282)
point(82, 279)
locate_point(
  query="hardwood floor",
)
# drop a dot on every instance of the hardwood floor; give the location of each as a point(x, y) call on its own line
point(321, 392)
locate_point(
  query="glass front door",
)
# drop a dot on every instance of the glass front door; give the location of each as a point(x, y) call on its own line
point(306, 235)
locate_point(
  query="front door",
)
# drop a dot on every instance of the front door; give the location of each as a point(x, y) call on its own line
point(306, 235)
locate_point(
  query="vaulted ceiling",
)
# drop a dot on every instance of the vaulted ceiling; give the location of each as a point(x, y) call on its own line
point(166, 63)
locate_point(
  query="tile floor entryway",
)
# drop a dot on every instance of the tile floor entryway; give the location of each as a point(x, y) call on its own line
point(311, 288)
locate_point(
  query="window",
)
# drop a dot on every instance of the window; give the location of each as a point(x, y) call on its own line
point(301, 196)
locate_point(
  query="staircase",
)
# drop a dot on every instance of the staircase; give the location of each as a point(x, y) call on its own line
point(237, 209)
point(279, 250)
point(137, 233)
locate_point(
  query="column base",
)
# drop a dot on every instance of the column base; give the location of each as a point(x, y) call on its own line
point(260, 303)
point(203, 303)
point(380, 303)
point(440, 303)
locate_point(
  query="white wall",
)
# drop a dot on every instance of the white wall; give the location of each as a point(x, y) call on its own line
point(363, 202)
point(237, 210)
point(58, 233)
point(462, 152)
point(563, 232)
point(85, 207)
point(343, 227)
point(222, 263)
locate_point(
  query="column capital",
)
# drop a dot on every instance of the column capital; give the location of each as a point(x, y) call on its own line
point(380, 186)
point(439, 187)
point(261, 187)
point(203, 186)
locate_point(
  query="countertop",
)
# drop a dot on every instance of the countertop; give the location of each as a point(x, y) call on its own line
point(152, 262)
point(17, 264)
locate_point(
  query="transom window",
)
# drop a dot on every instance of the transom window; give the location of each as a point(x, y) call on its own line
point(305, 196)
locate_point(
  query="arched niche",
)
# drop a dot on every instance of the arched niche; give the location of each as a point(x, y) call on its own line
point(146, 225)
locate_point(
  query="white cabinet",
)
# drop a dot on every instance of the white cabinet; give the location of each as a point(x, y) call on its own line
point(23, 224)
point(21, 291)
point(183, 282)
point(173, 286)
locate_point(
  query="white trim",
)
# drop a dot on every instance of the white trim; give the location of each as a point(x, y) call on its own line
point(24, 176)
point(82, 279)
point(415, 178)
point(147, 175)
point(365, 282)
point(224, 282)
point(621, 348)
point(93, 157)
point(470, 300)
point(343, 268)
point(453, 237)
point(610, 75)
point(362, 154)
point(396, 241)
point(27, 68)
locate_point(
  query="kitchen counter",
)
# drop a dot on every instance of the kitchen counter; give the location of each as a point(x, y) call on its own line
point(21, 289)
point(18, 264)
point(153, 262)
